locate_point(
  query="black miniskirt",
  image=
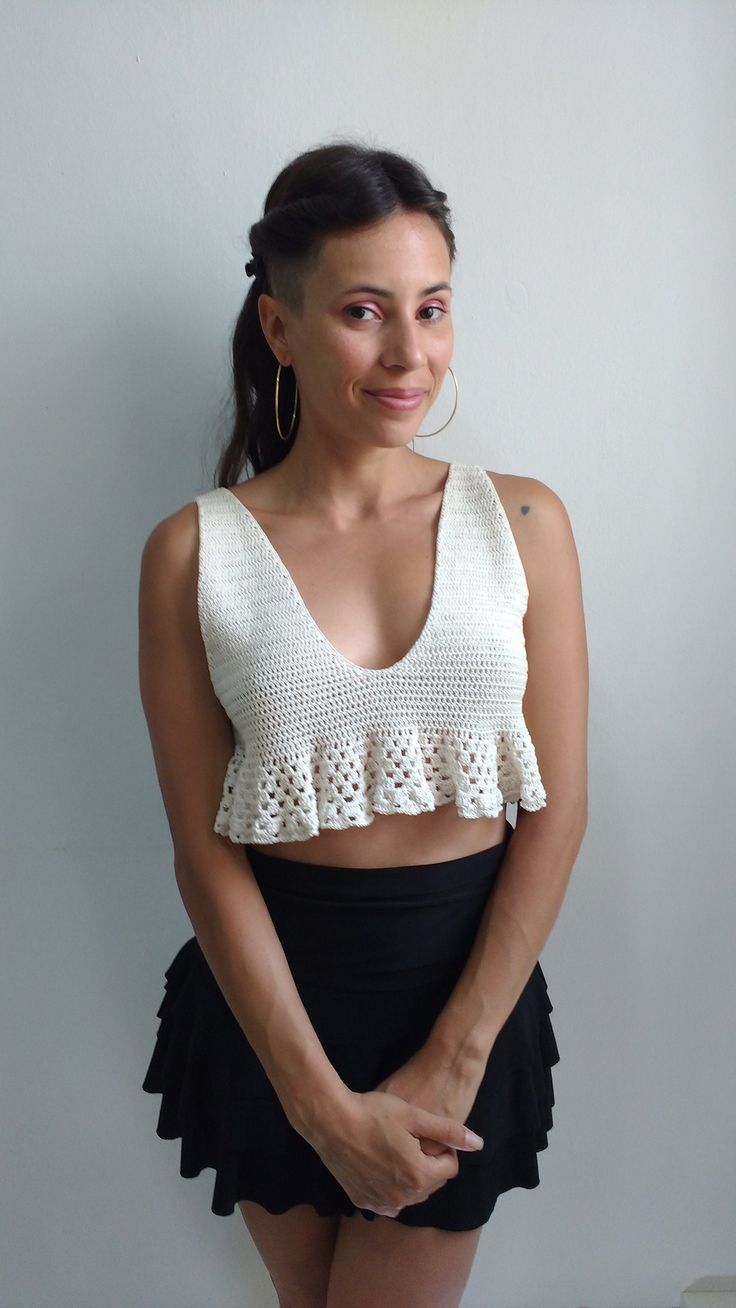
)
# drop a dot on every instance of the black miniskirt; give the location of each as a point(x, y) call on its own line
point(375, 953)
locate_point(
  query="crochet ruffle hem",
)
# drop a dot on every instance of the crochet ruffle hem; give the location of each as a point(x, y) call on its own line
point(345, 785)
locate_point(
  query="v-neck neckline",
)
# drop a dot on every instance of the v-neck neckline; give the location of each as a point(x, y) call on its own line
point(310, 621)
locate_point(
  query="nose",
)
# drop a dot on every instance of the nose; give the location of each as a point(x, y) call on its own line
point(403, 346)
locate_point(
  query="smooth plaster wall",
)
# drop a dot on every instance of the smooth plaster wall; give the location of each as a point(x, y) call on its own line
point(588, 152)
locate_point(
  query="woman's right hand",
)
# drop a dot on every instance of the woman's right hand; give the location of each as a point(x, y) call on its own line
point(373, 1149)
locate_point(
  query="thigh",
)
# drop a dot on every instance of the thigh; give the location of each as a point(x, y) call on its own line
point(296, 1247)
point(384, 1262)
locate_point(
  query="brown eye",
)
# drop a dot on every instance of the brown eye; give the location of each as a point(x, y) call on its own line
point(359, 308)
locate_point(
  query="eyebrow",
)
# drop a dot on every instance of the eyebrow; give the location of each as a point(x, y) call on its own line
point(381, 290)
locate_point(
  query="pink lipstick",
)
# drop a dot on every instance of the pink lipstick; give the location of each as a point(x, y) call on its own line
point(398, 399)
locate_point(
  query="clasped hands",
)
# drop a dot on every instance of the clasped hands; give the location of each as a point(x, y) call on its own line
point(436, 1082)
point(379, 1144)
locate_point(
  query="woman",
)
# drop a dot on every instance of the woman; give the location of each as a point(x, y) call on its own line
point(332, 664)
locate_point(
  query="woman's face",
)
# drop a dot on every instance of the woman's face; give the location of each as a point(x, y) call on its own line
point(376, 316)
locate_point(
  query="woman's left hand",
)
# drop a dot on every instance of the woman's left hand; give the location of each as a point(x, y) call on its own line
point(435, 1083)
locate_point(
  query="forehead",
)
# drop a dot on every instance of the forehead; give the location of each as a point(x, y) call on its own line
point(409, 243)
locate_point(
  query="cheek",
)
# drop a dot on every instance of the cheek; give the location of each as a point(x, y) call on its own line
point(351, 346)
point(350, 356)
point(445, 347)
point(336, 369)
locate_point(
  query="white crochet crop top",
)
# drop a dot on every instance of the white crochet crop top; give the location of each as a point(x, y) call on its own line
point(321, 742)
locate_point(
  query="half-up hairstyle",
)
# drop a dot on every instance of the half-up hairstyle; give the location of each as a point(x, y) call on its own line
point(330, 188)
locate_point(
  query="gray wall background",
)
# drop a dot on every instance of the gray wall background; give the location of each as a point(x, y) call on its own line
point(588, 151)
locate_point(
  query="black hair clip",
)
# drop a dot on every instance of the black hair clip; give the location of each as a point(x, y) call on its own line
point(254, 266)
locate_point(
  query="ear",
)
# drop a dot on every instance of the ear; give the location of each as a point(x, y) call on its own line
point(273, 324)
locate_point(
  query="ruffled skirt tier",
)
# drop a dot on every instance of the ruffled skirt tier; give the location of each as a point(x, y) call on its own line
point(375, 953)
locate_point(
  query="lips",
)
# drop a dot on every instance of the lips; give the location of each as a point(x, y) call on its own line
point(393, 399)
point(396, 393)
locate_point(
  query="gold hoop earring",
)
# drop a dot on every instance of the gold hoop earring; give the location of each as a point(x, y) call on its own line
point(276, 406)
point(452, 415)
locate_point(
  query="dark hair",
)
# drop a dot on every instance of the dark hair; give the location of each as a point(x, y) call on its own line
point(330, 188)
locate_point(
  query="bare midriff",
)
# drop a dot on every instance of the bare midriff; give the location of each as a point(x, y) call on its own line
point(397, 840)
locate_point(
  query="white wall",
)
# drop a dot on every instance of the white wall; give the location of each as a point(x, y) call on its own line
point(588, 152)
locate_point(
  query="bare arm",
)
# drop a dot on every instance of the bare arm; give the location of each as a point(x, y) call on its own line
point(536, 868)
point(192, 741)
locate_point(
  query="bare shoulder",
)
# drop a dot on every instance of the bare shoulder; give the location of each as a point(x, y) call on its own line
point(190, 731)
point(173, 542)
point(538, 519)
point(555, 702)
point(260, 491)
point(169, 567)
point(526, 500)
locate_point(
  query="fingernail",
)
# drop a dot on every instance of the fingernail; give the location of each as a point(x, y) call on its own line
point(475, 1140)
